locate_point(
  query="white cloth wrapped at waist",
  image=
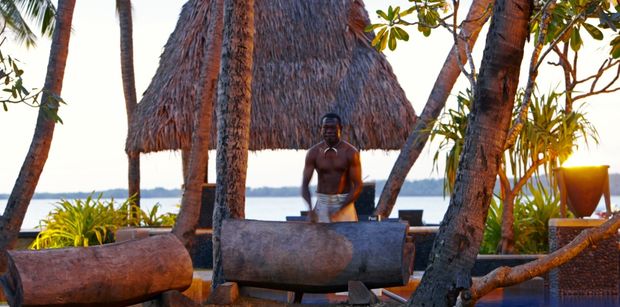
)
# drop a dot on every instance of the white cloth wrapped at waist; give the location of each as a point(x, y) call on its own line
point(328, 204)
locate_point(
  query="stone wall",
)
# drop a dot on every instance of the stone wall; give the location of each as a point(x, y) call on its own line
point(595, 271)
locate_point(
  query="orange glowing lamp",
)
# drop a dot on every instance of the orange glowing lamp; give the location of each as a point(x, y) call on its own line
point(581, 187)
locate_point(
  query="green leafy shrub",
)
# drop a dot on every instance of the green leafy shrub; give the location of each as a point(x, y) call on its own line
point(492, 228)
point(93, 222)
point(531, 219)
point(150, 218)
point(82, 223)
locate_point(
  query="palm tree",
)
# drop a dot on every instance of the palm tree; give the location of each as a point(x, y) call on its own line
point(233, 120)
point(14, 18)
point(26, 182)
point(41, 11)
point(123, 7)
point(460, 233)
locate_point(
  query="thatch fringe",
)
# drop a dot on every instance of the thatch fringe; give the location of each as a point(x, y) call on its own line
point(310, 57)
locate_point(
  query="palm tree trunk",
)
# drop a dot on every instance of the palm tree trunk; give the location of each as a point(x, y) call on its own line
point(476, 18)
point(233, 120)
point(185, 154)
point(31, 170)
point(460, 234)
point(129, 89)
point(507, 243)
point(187, 220)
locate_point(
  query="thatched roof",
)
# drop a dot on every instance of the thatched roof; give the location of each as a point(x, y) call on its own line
point(310, 57)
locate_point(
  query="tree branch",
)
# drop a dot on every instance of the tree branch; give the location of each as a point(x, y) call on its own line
point(506, 276)
point(604, 66)
point(503, 179)
point(471, 76)
point(566, 67)
point(442, 22)
point(596, 93)
point(558, 39)
point(530, 171)
point(607, 64)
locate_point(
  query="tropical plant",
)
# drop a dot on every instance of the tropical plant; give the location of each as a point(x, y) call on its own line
point(15, 16)
point(15, 92)
point(539, 205)
point(461, 218)
point(547, 138)
point(82, 223)
point(492, 227)
point(94, 222)
point(425, 12)
point(11, 76)
point(569, 21)
point(457, 57)
point(151, 218)
point(42, 12)
point(532, 213)
point(555, 25)
point(451, 129)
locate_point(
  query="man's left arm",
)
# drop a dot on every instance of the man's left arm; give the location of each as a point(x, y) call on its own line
point(355, 175)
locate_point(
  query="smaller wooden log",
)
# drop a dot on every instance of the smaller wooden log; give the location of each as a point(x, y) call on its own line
point(109, 275)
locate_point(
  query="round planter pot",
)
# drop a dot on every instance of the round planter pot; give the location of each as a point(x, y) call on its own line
point(582, 187)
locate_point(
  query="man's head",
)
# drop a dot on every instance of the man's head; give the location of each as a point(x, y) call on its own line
point(331, 127)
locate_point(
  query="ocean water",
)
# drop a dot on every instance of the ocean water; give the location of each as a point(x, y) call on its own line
point(271, 208)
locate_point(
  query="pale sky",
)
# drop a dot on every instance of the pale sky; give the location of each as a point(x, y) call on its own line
point(87, 151)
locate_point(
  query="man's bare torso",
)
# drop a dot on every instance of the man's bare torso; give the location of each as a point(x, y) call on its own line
point(332, 167)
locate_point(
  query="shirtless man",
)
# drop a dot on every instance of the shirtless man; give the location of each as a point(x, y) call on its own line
point(338, 166)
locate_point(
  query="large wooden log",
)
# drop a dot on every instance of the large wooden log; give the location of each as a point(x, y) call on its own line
point(315, 257)
point(110, 275)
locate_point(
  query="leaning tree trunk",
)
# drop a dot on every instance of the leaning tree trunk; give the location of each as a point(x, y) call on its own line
point(26, 182)
point(233, 120)
point(185, 154)
point(187, 221)
point(129, 89)
point(476, 18)
point(458, 241)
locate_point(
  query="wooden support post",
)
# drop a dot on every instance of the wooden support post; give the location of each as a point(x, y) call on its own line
point(171, 298)
point(360, 295)
point(224, 294)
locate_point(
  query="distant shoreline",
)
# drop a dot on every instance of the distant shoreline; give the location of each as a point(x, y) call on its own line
point(425, 187)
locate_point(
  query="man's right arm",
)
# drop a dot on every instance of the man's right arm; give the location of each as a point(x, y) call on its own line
point(307, 176)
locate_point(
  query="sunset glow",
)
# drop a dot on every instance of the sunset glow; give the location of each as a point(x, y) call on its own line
point(582, 158)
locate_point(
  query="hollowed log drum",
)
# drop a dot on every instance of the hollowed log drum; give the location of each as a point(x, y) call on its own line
point(315, 257)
